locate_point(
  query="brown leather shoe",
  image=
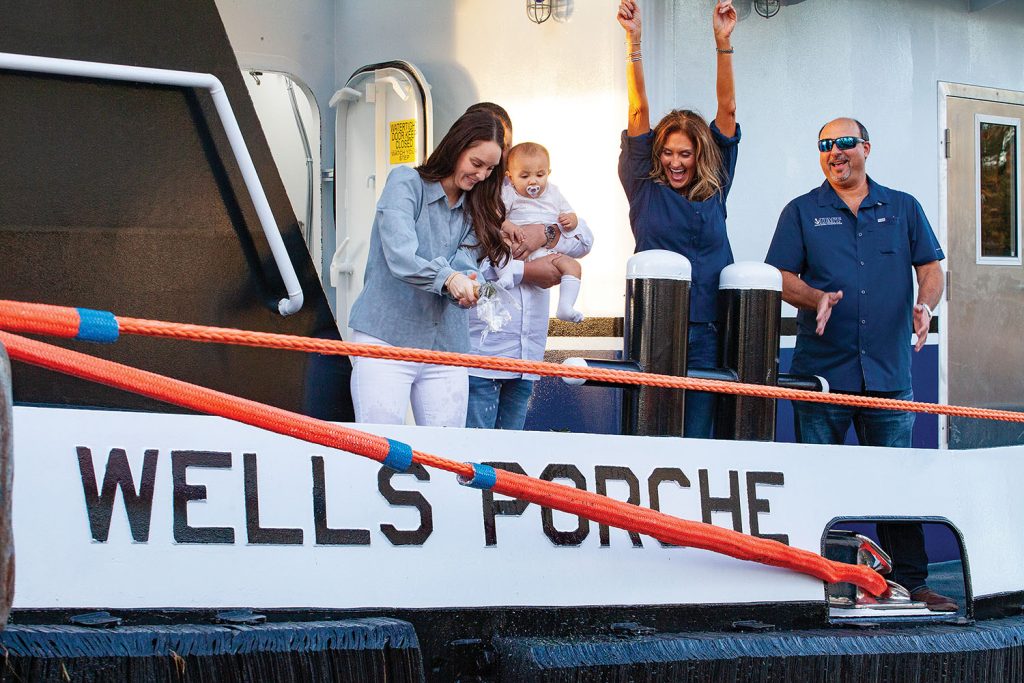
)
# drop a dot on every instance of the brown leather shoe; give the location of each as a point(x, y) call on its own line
point(935, 601)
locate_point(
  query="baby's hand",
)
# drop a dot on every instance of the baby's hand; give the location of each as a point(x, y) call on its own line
point(513, 233)
point(568, 220)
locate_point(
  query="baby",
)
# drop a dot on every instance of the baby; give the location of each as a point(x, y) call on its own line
point(529, 198)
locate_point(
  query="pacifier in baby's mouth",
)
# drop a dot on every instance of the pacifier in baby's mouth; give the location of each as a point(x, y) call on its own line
point(533, 190)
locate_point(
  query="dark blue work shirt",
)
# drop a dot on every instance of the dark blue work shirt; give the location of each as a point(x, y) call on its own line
point(867, 341)
point(662, 218)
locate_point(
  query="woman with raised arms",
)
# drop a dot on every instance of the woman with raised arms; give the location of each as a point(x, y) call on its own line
point(677, 177)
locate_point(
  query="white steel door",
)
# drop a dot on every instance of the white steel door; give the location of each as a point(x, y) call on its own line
point(384, 120)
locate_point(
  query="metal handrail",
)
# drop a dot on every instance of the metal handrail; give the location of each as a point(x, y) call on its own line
point(185, 79)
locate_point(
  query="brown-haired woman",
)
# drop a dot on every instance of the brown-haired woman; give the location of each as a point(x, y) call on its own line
point(677, 178)
point(433, 225)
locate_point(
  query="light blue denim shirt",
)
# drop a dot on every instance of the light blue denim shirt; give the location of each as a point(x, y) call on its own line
point(417, 241)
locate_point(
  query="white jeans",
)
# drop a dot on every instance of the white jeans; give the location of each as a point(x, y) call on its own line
point(382, 390)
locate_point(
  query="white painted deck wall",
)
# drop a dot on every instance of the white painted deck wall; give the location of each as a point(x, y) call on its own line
point(564, 84)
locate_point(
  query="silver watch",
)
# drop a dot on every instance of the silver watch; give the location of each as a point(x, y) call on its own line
point(550, 232)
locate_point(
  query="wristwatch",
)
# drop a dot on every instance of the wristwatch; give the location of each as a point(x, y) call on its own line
point(550, 232)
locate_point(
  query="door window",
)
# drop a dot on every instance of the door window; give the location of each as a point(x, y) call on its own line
point(998, 190)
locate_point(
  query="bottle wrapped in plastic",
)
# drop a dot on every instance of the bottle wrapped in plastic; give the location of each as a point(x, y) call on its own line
point(493, 306)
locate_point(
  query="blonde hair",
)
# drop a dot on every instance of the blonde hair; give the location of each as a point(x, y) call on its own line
point(708, 178)
point(527, 149)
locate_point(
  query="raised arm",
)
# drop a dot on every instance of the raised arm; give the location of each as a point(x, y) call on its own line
point(724, 21)
point(639, 117)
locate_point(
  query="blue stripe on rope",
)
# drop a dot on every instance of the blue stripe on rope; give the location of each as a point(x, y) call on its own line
point(399, 456)
point(484, 477)
point(97, 326)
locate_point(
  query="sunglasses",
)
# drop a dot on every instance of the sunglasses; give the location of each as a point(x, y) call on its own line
point(843, 143)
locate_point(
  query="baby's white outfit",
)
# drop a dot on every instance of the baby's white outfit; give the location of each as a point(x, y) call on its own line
point(544, 209)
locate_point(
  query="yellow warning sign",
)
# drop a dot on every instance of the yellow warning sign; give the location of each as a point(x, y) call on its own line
point(403, 141)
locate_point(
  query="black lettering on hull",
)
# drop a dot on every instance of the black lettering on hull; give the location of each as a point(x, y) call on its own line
point(118, 474)
point(414, 499)
point(324, 534)
point(184, 492)
point(582, 530)
point(731, 503)
point(493, 508)
point(256, 534)
point(756, 505)
point(602, 475)
point(657, 478)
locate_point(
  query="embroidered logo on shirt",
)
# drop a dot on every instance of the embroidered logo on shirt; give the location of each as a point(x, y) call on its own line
point(828, 220)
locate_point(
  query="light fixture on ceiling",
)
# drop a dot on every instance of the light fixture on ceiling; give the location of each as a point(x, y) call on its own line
point(767, 8)
point(538, 11)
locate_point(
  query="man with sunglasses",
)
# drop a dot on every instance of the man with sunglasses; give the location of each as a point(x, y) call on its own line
point(847, 251)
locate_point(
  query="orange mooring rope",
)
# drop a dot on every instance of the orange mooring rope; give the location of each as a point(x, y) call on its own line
point(62, 321)
point(592, 506)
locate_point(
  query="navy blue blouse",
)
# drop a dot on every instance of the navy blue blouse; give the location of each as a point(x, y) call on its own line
point(662, 218)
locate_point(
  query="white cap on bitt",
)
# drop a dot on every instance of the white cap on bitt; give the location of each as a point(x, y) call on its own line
point(658, 264)
point(575, 363)
point(750, 275)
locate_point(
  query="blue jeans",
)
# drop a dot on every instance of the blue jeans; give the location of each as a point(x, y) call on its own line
point(498, 403)
point(701, 352)
point(827, 423)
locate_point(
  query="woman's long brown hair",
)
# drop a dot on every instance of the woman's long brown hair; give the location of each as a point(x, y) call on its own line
point(482, 203)
point(707, 158)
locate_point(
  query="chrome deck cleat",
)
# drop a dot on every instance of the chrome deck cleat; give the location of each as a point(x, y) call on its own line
point(844, 598)
point(898, 599)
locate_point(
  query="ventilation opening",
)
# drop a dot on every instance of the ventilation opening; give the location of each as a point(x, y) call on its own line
point(924, 556)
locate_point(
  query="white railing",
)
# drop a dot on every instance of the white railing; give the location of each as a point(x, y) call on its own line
point(185, 79)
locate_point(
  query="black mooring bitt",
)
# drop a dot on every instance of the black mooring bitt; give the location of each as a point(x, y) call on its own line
point(749, 316)
point(656, 332)
point(656, 327)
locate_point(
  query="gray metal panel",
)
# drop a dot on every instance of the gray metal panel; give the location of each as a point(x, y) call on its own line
point(984, 300)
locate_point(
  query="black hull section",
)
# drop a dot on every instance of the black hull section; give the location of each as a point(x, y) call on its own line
point(353, 650)
point(126, 197)
point(440, 647)
point(991, 652)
